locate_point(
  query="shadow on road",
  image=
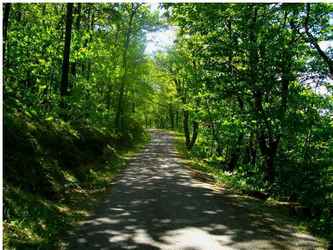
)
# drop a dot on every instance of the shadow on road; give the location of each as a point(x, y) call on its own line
point(155, 204)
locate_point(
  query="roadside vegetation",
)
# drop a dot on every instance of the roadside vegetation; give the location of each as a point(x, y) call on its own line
point(254, 92)
point(72, 111)
point(72, 169)
point(248, 85)
point(284, 211)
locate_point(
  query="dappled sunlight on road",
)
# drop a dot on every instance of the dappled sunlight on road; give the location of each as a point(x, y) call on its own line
point(156, 204)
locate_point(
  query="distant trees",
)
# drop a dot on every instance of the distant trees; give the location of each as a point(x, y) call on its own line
point(241, 82)
point(246, 76)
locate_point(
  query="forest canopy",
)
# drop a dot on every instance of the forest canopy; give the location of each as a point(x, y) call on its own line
point(249, 86)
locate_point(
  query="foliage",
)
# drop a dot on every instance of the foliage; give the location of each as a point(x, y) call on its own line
point(259, 89)
point(246, 83)
point(64, 145)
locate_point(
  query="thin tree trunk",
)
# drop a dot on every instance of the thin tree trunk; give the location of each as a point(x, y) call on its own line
point(85, 41)
point(195, 129)
point(171, 114)
point(65, 66)
point(77, 46)
point(176, 119)
point(92, 24)
point(7, 7)
point(119, 112)
point(186, 128)
point(251, 152)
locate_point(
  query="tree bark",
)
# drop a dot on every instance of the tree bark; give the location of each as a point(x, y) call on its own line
point(268, 147)
point(172, 123)
point(195, 129)
point(186, 128)
point(235, 154)
point(92, 24)
point(7, 7)
point(177, 120)
point(267, 144)
point(189, 141)
point(77, 46)
point(252, 150)
point(65, 65)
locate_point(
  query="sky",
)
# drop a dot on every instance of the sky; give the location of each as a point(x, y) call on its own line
point(162, 39)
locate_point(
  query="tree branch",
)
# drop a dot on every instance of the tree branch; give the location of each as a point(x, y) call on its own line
point(314, 41)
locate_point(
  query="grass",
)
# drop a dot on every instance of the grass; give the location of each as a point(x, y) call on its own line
point(220, 177)
point(34, 222)
point(239, 187)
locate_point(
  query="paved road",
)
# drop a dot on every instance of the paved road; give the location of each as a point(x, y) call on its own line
point(156, 204)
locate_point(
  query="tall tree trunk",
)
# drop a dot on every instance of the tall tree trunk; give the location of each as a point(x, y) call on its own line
point(77, 46)
point(65, 65)
point(251, 152)
point(189, 141)
point(267, 144)
point(186, 128)
point(85, 41)
point(271, 151)
point(177, 120)
point(6, 10)
point(171, 115)
point(119, 112)
point(92, 24)
point(235, 154)
point(195, 129)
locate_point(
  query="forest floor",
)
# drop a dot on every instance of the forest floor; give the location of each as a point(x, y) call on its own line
point(158, 203)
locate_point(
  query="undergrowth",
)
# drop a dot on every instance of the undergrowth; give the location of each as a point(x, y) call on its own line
point(54, 174)
point(240, 185)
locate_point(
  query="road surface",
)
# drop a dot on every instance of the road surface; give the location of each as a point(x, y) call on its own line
point(156, 204)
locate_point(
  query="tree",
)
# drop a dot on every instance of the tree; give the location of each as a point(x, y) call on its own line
point(119, 113)
point(5, 28)
point(64, 85)
point(314, 41)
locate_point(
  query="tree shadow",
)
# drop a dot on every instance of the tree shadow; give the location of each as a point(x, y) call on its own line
point(156, 204)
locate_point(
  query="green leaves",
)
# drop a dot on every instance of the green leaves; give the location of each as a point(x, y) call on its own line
point(248, 76)
point(244, 74)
